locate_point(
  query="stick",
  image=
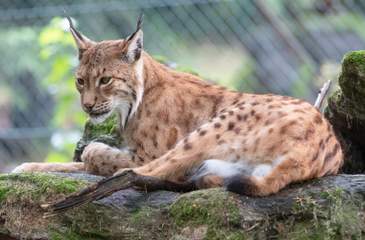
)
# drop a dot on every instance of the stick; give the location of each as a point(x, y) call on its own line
point(322, 94)
point(112, 184)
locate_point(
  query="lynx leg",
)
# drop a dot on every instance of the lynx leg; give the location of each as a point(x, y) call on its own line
point(101, 159)
point(98, 158)
point(49, 167)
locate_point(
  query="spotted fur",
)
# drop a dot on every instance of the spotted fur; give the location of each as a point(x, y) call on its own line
point(180, 128)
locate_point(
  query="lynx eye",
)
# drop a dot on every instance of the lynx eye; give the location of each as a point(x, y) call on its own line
point(80, 81)
point(105, 80)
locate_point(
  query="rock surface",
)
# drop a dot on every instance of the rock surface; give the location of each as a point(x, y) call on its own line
point(327, 208)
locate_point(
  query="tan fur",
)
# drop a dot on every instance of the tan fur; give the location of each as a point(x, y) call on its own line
point(181, 121)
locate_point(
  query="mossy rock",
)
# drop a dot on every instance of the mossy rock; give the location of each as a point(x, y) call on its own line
point(107, 132)
point(346, 118)
point(346, 106)
point(20, 196)
point(328, 208)
point(352, 79)
point(346, 111)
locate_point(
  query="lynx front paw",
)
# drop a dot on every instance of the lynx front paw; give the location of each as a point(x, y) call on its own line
point(26, 167)
point(93, 150)
point(101, 159)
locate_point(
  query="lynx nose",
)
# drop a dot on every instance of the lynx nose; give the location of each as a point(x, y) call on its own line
point(89, 106)
point(88, 101)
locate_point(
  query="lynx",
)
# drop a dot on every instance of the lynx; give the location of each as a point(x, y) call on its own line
point(180, 128)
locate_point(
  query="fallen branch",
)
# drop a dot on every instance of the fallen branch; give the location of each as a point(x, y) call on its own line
point(112, 184)
point(322, 94)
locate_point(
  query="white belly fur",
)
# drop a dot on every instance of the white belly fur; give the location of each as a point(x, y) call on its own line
point(226, 169)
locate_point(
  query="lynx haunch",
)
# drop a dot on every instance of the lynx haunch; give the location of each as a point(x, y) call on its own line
point(180, 128)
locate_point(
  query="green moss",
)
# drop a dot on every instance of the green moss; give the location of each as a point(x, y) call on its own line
point(65, 236)
point(345, 107)
point(45, 181)
point(4, 190)
point(106, 132)
point(333, 216)
point(34, 186)
point(215, 205)
point(352, 78)
point(141, 215)
point(108, 127)
point(149, 223)
point(94, 220)
point(236, 236)
point(330, 215)
point(216, 208)
point(355, 58)
point(71, 235)
point(224, 233)
point(305, 231)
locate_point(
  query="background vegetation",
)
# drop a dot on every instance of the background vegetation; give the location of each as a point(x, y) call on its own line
point(285, 47)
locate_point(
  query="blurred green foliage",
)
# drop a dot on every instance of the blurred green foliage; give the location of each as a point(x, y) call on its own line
point(19, 39)
point(214, 52)
point(58, 51)
point(302, 88)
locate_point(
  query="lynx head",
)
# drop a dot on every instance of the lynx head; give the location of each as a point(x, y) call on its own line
point(110, 75)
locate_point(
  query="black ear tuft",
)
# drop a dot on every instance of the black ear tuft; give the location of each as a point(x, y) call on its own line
point(140, 21)
point(73, 29)
point(134, 44)
point(81, 41)
point(139, 27)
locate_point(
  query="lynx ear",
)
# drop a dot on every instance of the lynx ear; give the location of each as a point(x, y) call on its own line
point(81, 41)
point(134, 44)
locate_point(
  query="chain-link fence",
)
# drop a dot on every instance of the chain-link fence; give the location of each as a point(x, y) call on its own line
point(286, 47)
